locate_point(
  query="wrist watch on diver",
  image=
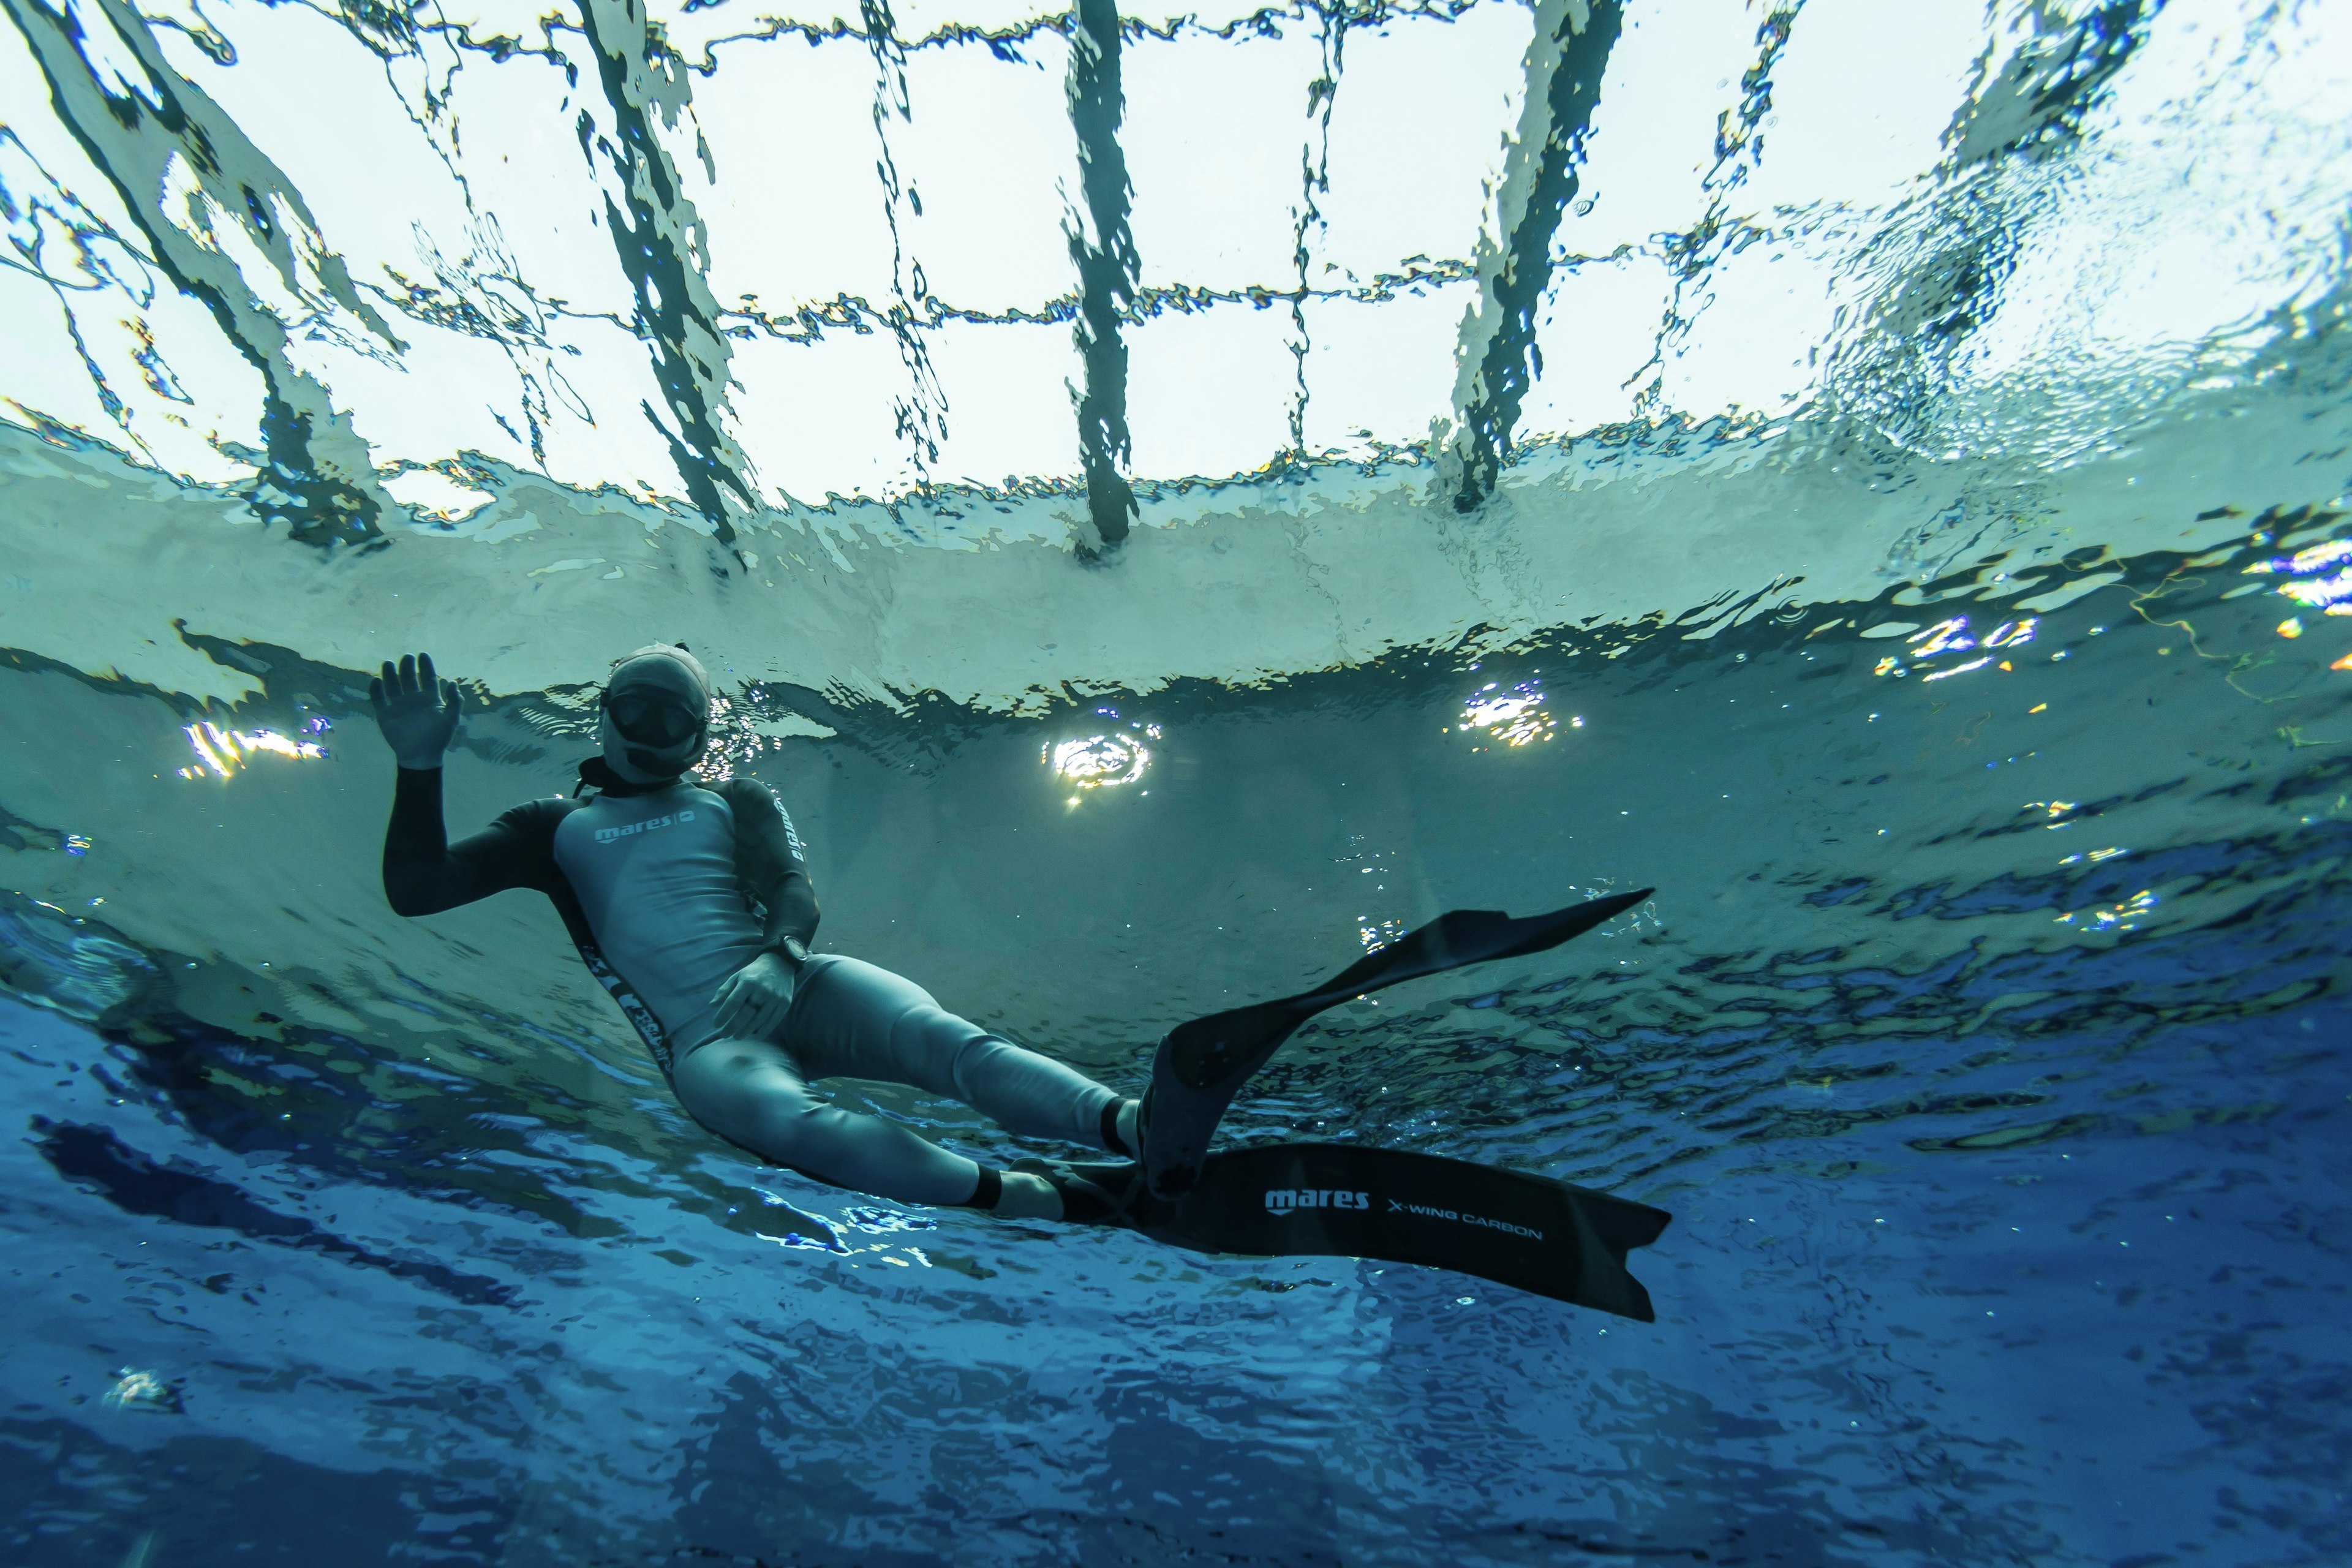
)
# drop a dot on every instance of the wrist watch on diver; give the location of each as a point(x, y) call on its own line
point(795, 950)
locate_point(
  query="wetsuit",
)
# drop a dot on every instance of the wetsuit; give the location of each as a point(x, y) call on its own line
point(668, 890)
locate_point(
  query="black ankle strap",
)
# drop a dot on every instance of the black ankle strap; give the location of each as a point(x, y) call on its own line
point(991, 1188)
point(1111, 1138)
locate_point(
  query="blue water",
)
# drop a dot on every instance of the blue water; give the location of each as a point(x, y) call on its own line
point(1876, 475)
point(1997, 1240)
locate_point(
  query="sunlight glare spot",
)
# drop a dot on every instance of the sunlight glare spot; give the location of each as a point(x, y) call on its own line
point(2009, 633)
point(223, 751)
point(2124, 916)
point(1945, 634)
point(2316, 591)
point(1099, 761)
point(1516, 717)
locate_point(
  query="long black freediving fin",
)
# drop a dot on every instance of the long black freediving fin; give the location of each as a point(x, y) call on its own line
point(1202, 1065)
point(1348, 1200)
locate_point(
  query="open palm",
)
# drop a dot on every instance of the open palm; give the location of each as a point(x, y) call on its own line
point(417, 711)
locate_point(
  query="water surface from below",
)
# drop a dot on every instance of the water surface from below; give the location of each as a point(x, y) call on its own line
point(1985, 1035)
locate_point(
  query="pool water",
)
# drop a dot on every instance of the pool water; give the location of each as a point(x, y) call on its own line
point(1971, 693)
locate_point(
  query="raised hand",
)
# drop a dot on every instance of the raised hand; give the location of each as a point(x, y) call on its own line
point(417, 711)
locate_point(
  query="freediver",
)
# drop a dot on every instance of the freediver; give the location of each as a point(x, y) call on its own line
point(691, 904)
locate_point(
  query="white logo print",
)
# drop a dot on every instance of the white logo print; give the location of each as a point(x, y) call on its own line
point(1283, 1200)
point(607, 834)
point(1291, 1200)
point(1458, 1217)
point(791, 839)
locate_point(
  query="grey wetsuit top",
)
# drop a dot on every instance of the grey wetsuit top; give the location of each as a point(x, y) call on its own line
point(665, 891)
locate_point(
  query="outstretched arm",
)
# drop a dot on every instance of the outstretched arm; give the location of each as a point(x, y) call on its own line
point(423, 873)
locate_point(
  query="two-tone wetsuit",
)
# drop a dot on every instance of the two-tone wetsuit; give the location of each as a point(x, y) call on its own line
point(669, 888)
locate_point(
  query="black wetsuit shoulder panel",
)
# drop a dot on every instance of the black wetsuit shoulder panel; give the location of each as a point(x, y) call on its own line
point(769, 860)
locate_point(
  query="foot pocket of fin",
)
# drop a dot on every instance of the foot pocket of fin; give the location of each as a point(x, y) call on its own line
point(1093, 1192)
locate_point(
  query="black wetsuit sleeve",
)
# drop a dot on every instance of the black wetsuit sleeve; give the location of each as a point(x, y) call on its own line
point(423, 873)
point(770, 864)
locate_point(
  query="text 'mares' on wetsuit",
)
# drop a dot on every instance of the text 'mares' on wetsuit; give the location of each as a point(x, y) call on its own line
point(665, 891)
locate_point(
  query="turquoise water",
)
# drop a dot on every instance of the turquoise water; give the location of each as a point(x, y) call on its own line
point(1913, 558)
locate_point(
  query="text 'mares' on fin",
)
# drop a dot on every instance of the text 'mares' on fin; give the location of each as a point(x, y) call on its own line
point(1547, 1237)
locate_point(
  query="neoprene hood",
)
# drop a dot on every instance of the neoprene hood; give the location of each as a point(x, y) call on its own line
point(654, 719)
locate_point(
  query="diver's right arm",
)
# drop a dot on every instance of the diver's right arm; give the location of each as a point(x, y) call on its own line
point(417, 711)
point(423, 873)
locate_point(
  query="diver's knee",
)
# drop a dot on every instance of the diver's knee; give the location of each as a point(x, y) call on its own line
point(721, 1087)
point(708, 1075)
point(970, 1049)
point(987, 1063)
point(801, 1125)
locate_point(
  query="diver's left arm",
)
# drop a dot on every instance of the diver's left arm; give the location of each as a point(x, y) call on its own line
point(773, 873)
point(770, 864)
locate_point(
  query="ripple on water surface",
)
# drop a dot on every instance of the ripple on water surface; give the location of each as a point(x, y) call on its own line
point(1980, 1037)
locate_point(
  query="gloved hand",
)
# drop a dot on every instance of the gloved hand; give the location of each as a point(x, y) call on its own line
point(417, 712)
point(754, 1000)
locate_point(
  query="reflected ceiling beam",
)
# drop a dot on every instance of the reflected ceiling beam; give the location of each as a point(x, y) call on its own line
point(1738, 152)
point(920, 417)
point(1315, 182)
point(1102, 247)
point(182, 165)
point(1962, 244)
point(2047, 86)
point(662, 247)
point(1497, 357)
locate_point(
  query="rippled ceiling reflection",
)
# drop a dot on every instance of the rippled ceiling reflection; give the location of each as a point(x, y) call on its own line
point(1171, 502)
point(1395, 326)
point(359, 262)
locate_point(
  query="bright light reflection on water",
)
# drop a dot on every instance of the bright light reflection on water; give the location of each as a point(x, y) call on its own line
point(1516, 717)
point(223, 752)
point(1099, 762)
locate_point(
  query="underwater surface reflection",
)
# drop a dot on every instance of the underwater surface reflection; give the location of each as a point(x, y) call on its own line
point(1986, 1036)
point(1172, 503)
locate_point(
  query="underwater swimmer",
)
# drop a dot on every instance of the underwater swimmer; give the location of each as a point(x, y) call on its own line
point(691, 904)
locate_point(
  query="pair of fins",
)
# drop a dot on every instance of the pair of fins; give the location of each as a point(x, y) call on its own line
point(1349, 1200)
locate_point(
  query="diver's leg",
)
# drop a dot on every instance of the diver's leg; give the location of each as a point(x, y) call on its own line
point(858, 1020)
point(752, 1093)
point(1025, 1092)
